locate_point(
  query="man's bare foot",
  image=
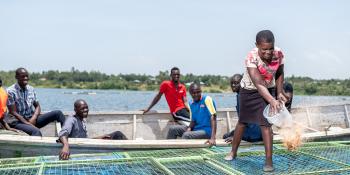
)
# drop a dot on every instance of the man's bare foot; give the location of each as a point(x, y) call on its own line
point(230, 156)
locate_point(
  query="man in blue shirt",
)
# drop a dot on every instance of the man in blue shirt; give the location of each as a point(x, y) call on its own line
point(24, 107)
point(203, 119)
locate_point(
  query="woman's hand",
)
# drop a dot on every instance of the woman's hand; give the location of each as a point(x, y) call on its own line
point(275, 107)
point(282, 97)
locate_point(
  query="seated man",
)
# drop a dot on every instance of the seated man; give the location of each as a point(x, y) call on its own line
point(252, 132)
point(24, 108)
point(175, 95)
point(203, 121)
point(3, 109)
point(288, 92)
point(74, 127)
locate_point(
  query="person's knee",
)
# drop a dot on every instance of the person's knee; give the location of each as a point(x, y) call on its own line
point(187, 135)
point(36, 132)
point(59, 116)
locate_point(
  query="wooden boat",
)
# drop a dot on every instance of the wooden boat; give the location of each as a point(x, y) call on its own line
point(149, 131)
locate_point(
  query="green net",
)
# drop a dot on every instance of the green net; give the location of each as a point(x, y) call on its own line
point(122, 167)
point(20, 171)
point(77, 157)
point(284, 162)
point(311, 158)
point(192, 166)
point(240, 149)
point(336, 153)
point(169, 153)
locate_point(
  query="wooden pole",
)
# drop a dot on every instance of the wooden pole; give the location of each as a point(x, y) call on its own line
point(229, 126)
point(347, 116)
point(134, 127)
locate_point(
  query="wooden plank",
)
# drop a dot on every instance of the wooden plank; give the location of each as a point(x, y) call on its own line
point(139, 144)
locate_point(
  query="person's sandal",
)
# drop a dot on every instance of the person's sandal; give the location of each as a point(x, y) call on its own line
point(268, 168)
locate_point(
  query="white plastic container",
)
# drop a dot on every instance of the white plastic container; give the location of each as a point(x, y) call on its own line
point(280, 119)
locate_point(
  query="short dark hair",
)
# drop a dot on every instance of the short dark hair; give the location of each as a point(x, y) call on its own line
point(265, 36)
point(0, 81)
point(238, 76)
point(194, 85)
point(288, 87)
point(174, 68)
point(18, 70)
point(77, 102)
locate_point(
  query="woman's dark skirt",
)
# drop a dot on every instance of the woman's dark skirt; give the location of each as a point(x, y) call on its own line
point(252, 105)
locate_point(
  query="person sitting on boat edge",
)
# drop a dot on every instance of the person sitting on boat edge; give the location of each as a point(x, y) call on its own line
point(175, 95)
point(24, 107)
point(252, 132)
point(288, 92)
point(75, 127)
point(203, 119)
point(3, 109)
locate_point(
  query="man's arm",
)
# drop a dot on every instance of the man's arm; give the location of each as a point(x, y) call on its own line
point(63, 137)
point(64, 153)
point(7, 127)
point(13, 111)
point(213, 130)
point(211, 108)
point(37, 111)
point(154, 101)
point(184, 99)
point(190, 127)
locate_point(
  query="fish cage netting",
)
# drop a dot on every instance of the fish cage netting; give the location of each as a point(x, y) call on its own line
point(165, 153)
point(225, 149)
point(122, 167)
point(194, 165)
point(321, 158)
point(335, 153)
point(20, 171)
point(102, 156)
point(285, 162)
point(309, 144)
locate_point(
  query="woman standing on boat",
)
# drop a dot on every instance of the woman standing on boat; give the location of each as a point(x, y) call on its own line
point(263, 77)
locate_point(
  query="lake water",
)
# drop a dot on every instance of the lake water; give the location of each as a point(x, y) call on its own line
point(120, 100)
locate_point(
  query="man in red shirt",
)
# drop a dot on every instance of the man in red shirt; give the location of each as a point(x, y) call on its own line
point(175, 95)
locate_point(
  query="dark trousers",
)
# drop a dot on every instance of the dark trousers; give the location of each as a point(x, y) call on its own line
point(182, 115)
point(41, 121)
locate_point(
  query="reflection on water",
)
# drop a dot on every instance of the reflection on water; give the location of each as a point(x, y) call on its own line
point(119, 100)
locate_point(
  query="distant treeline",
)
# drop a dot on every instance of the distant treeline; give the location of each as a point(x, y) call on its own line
point(211, 83)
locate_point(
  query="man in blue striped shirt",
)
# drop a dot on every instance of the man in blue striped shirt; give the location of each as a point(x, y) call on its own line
point(24, 107)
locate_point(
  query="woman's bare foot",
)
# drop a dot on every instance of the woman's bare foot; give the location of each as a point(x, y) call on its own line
point(268, 168)
point(230, 156)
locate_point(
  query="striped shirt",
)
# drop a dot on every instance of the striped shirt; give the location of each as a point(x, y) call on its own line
point(24, 99)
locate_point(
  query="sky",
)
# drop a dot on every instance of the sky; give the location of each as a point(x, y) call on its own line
point(148, 36)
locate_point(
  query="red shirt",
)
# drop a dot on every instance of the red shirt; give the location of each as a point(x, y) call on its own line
point(173, 96)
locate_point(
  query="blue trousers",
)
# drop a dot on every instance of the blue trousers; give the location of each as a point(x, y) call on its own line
point(41, 121)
